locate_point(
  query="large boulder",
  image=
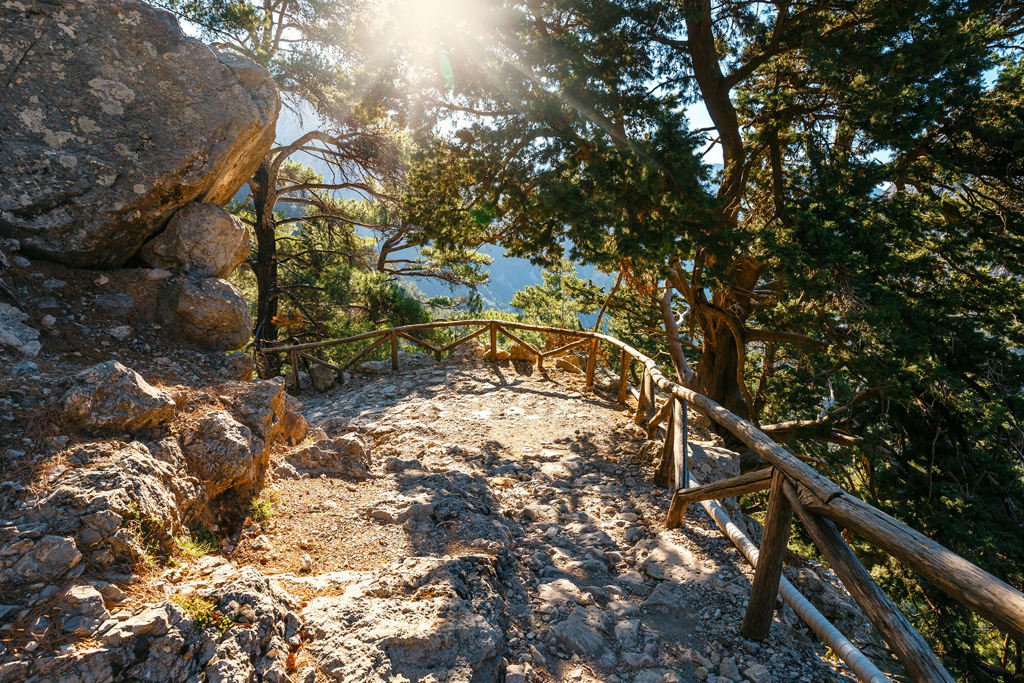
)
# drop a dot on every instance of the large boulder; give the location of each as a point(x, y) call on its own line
point(112, 119)
point(323, 377)
point(220, 452)
point(110, 397)
point(202, 240)
point(212, 313)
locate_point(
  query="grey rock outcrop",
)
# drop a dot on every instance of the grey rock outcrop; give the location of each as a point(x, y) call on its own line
point(15, 334)
point(415, 619)
point(346, 456)
point(837, 608)
point(110, 397)
point(212, 313)
point(49, 558)
point(220, 452)
point(164, 642)
point(262, 406)
point(239, 366)
point(202, 240)
point(93, 507)
point(112, 120)
point(322, 376)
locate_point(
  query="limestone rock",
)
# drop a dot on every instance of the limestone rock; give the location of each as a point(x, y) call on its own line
point(667, 560)
point(113, 483)
point(84, 608)
point(417, 619)
point(50, 558)
point(202, 240)
point(836, 607)
point(758, 673)
point(212, 313)
point(110, 397)
point(711, 463)
point(520, 352)
point(116, 120)
point(239, 366)
point(584, 632)
point(540, 513)
point(322, 376)
point(346, 455)
point(568, 363)
point(262, 407)
point(15, 334)
point(560, 592)
point(293, 428)
point(116, 305)
point(219, 452)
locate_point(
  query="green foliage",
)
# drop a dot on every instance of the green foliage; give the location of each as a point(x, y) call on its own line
point(204, 612)
point(196, 543)
point(261, 507)
point(560, 299)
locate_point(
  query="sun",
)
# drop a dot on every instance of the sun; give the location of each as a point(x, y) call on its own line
point(431, 20)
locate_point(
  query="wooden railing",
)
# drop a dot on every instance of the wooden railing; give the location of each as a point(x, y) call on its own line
point(794, 488)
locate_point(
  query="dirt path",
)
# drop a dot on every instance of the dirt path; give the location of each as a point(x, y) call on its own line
point(473, 458)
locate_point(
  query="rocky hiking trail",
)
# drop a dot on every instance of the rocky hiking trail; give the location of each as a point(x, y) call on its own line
point(456, 521)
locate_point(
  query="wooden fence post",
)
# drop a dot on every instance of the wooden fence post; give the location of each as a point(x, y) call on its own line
point(494, 342)
point(663, 476)
point(394, 351)
point(765, 589)
point(681, 458)
point(903, 639)
point(641, 403)
point(591, 363)
point(624, 362)
point(651, 404)
point(295, 371)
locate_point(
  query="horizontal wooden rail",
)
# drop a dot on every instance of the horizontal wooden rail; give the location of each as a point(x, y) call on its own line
point(969, 584)
point(533, 349)
point(463, 340)
point(751, 482)
point(414, 340)
point(901, 637)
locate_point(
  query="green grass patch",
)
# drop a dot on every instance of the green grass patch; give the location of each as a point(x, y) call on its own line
point(204, 612)
point(261, 508)
point(196, 543)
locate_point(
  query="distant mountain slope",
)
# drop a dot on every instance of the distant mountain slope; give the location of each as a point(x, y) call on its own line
point(508, 274)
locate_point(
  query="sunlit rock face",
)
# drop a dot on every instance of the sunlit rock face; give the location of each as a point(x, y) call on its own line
point(111, 119)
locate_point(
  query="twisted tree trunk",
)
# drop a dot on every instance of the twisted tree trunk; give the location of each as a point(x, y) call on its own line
point(264, 196)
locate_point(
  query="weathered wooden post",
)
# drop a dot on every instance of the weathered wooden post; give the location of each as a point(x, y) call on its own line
point(679, 443)
point(765, 588)
point(624, 362)
point(640, 419)
point(663, 477)
point(494, 342)
point(591, 363)
point(295, 371)
point(910, 648)
point(394, 351)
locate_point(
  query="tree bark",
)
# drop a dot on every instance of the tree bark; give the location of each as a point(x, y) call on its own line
point(264, 196)
point(716, 372)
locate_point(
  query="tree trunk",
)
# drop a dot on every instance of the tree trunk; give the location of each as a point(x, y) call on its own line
point(716, 372)
point(264, 195)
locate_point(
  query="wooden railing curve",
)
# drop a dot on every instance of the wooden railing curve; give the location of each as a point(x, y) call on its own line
point(795, 488)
